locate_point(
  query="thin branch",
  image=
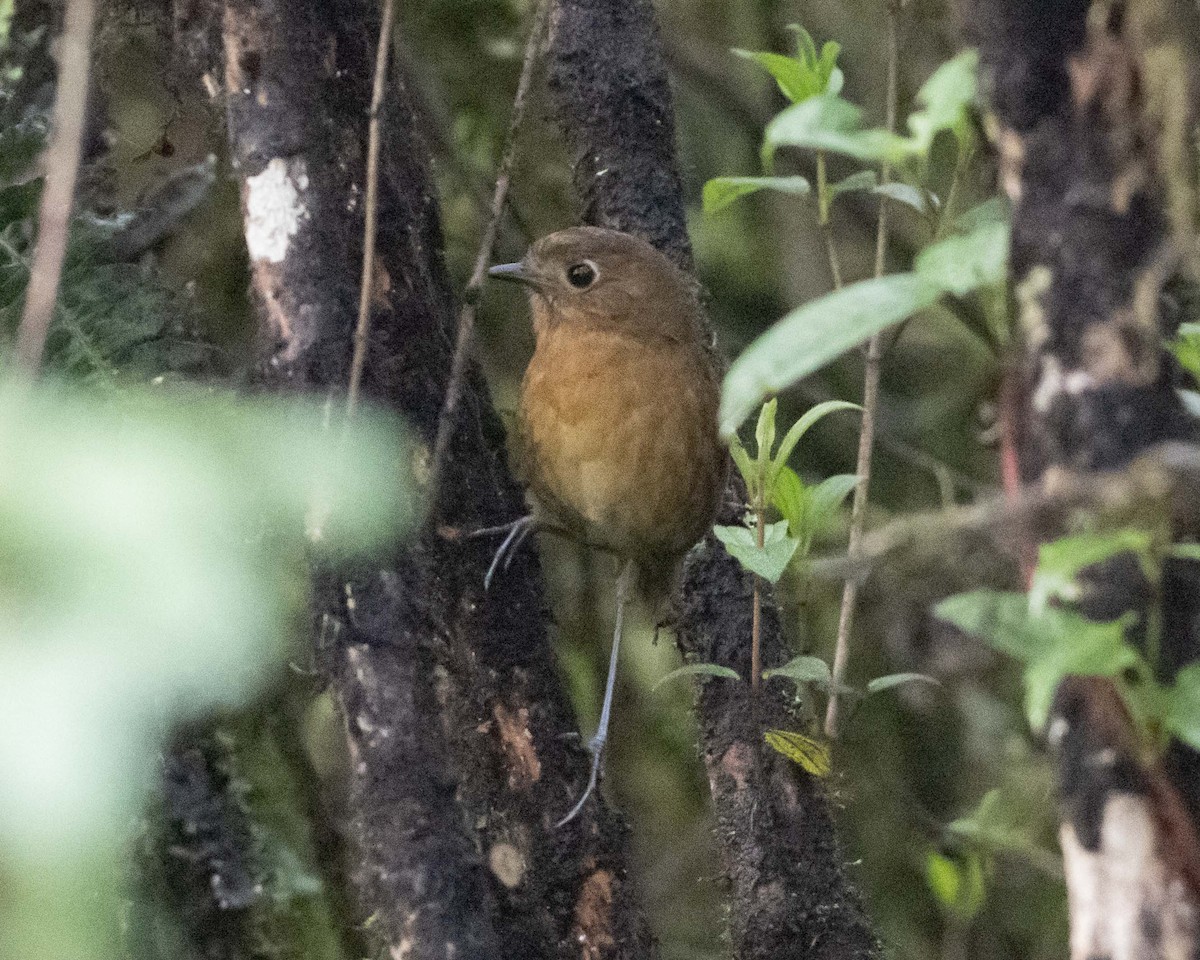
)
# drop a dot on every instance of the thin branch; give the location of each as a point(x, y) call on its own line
point(362, 329)
point(466, 319)
point(866, 438)
point(61, 166)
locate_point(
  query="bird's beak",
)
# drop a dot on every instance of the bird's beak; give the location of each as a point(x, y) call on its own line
point(515, 272)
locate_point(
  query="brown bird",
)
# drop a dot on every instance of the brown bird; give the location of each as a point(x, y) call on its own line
point(617, 424)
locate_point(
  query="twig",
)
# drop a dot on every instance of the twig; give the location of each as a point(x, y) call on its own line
point(61, 166)
point(1165, 481)
point(858, 515)
point(362, 329)
point(760, 510)
point(466, 319)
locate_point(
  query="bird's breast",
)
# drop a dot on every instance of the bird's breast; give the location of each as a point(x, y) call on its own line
point(618, 439)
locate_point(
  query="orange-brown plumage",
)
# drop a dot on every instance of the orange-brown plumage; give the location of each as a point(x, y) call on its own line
point(618, 412)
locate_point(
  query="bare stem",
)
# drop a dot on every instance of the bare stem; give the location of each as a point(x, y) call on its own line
point(823, 207)
point(362, 329)
point(61, 166)
point(756, 619)
point(466, 319)
point(866, 438)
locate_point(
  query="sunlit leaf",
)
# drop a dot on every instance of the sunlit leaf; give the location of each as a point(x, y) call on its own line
point(720, 192)
point(795, 81)
point(957, 883)
point(792, 498)
point(815, 334)
point(812, 755)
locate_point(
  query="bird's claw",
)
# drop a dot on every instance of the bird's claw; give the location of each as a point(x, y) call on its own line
point(516, 532)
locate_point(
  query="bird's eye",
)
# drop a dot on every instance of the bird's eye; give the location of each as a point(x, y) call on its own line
point(581, 275)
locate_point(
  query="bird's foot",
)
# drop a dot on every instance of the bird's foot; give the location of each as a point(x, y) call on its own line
point(515, 534)
point(596, 749)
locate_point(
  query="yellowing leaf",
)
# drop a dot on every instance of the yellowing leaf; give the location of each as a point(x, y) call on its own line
point(810, 754)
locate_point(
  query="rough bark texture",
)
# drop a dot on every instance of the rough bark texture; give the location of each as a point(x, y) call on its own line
point(1082, 157)
point(454, 714)
point(790, 896)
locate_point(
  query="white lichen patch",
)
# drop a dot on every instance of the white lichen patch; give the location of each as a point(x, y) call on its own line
point(275, 208)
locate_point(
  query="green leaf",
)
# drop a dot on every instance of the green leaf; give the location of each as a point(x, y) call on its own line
point(835, 125)
point(879, 684)
point(801, 427)
point(965, 262)
point(994, 210)
point(795, 81)
point(828, 497)
point(957, 883)
point(815, 334)
point(743, 462)
point(922, 201)
point(720, 192)
point(698, 669)
point(803, 669)
point(153, 555)
point(947, 97)
point(812, 755)
point(1052, 644)
point(764, 433)
point(856, 182)
point(792, 499)
point(1182, 714)
point(768, 561)
point(1061, 561)
point(1186, 551)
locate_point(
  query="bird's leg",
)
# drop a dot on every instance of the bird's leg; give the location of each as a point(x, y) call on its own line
point(596, 744)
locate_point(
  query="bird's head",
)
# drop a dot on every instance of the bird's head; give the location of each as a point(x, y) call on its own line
point(608, 279)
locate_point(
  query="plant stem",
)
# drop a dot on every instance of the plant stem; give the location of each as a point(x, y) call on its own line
point(466, 319)
point(866, 438)
point(60, 163)
point(823, 206)
point(362, 329)
point(756, 619)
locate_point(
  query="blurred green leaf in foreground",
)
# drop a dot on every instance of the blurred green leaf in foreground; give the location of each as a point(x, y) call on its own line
point(153, 551)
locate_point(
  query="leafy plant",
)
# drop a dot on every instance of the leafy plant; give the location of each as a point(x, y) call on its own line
point(153, 549)
point(963, 258)
point(766, 548)
point(1046, 632)
point(822, 330)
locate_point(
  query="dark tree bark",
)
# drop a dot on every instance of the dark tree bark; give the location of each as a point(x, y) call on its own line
point(1083, 159)
point(454, 714)
point(790, 895)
